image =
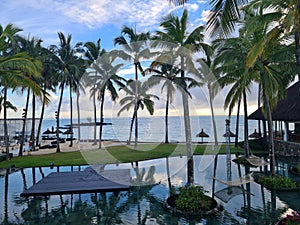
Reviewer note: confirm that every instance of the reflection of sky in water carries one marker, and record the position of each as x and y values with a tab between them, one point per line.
151	197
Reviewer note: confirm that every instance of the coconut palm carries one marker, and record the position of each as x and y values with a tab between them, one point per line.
208	78
13	67
69	75
47	82
93	52
34	49
135	50
138	98
104	80
231	60
168	74
175	36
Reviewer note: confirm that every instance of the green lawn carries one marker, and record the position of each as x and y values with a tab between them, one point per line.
111	155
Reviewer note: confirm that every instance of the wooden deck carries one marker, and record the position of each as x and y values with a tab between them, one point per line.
86	181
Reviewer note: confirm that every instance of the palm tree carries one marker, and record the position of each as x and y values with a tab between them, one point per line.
137	97
69	75
209	77
92	53
48	83
176	37
104	80
167	73
135	49
231	60
34	49
13	67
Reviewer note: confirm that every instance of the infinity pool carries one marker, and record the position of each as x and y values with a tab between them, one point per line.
144	203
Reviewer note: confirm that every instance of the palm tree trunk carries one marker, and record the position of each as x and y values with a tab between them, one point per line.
131	127
101	117
297	38
57	119
166	120
5	123
71	117
246	143
32	136
78	114
188	136
135	107
258	104
41	119
95	118
271	135
24	124
236	142
212	115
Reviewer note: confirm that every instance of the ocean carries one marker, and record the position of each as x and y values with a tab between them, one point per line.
152	129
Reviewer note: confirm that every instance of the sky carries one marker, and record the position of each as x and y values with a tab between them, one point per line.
89	20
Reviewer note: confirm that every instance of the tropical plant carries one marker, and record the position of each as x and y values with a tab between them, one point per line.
34	49
93	52
138	98
104	80
168	74
175	36
135	50
13	67
233	71
70	66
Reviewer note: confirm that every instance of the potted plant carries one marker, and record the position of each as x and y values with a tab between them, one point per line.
191	200
277	182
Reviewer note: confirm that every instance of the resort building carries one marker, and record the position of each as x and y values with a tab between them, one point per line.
286	119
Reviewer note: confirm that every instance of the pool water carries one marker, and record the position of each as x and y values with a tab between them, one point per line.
144	203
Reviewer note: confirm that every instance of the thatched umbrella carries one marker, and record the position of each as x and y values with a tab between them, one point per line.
254	135
68	132
202	134
47	132
230	134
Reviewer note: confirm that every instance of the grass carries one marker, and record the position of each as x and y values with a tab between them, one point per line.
111	155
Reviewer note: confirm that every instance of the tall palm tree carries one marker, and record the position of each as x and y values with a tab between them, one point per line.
176	37
138	98
135	49
168	74
104	80
48	83
69	75
92	53
34	49
231	60
13	67
208	78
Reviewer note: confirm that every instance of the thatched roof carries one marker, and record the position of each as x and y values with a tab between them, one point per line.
285	110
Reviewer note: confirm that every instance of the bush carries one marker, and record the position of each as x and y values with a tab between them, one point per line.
192	199
276	182
256	144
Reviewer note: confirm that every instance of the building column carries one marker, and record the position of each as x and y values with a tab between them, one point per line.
286	131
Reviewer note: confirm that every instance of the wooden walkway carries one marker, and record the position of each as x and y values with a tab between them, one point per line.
86	181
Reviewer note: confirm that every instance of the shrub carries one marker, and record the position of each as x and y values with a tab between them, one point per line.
192	199
276	182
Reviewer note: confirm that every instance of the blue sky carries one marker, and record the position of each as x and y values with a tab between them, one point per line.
88	20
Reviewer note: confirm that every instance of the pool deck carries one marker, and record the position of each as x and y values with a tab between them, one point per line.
88	181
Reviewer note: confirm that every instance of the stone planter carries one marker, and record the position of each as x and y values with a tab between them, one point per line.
214	207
